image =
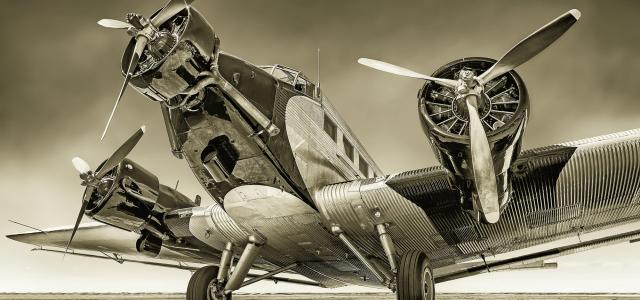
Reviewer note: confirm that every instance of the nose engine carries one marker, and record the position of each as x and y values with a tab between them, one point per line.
168	55
503	107
180	49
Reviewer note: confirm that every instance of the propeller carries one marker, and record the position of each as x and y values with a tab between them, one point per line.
143	30
482	164
115	24
91	179
141	43
393	69
471	87
531	46
80	165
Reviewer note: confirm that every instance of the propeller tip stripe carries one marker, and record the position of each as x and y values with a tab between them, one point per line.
576	13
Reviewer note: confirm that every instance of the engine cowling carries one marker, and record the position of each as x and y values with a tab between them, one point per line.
503	110
131	198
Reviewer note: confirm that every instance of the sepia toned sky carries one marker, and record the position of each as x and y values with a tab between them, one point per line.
60	76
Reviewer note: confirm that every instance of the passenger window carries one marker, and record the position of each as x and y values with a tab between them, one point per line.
348	148
363	166
330	128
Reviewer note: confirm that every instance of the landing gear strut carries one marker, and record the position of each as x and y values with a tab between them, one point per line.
217	283
415	277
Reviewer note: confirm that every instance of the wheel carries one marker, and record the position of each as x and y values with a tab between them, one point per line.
202	285
415	277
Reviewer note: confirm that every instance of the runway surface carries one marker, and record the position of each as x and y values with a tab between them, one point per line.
381	296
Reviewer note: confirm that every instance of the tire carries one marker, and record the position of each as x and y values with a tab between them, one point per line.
415	277
198	288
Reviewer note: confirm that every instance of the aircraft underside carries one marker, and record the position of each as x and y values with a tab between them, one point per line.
295	192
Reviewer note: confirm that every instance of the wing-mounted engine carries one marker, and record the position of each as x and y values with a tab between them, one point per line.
131	198
502	110
123	194
474	112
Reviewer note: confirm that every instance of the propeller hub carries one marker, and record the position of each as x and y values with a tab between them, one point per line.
459	106
468	78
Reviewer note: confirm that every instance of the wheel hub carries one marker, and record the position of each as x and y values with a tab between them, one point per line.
215	291
427	287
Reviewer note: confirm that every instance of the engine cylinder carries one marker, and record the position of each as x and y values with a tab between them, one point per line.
503	110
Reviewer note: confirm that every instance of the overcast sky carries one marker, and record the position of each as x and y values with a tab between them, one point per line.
60	75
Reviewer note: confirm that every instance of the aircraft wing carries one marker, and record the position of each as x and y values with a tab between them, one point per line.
108	242
559	191
98	237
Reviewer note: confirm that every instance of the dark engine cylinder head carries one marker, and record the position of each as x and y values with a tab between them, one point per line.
131	198
503	110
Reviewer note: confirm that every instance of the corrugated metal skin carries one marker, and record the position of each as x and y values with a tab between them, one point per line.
352	206
213	226
279	144
559	191
316	154
325	260
346	130
179	226
603	178
302	239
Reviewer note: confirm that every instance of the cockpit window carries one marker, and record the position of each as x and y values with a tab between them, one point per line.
295	78
301	84
284	75
267	69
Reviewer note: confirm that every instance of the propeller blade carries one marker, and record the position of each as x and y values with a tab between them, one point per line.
115	24
121	153
393	69
169	10
531	46
482	163
141	42
85	202
81	165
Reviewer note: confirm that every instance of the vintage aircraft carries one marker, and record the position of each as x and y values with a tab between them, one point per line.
296	193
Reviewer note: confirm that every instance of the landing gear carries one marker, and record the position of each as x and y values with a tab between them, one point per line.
415	277
217	283
202	285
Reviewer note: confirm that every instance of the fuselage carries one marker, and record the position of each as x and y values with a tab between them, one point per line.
314	147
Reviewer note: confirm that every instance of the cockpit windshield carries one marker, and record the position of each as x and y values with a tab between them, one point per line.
294	78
